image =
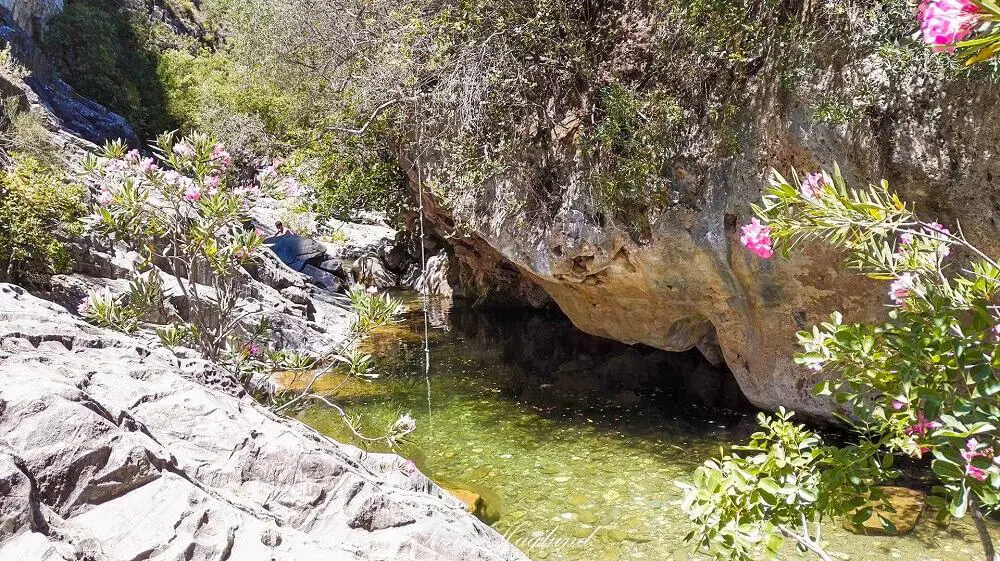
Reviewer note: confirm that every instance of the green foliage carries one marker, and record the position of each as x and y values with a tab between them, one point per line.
22	128
10	68
631	147
832	110
124	313
373	310
107	53
23	132
742	505
38	209
350	173
924	381
211	91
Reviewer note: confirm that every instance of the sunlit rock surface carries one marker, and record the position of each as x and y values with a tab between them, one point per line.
114	450
684	281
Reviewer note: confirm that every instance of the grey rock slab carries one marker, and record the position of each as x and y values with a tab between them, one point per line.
357	240
111	451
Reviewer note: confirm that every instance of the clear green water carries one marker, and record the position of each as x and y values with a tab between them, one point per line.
588	480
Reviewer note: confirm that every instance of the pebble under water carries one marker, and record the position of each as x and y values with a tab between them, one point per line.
569	463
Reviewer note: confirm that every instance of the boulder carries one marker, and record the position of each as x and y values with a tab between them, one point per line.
270	270
84	118
470	499
351	241
332	266
296	294
395	256
109	452
323	278
434	279
410	277
370	271
295	251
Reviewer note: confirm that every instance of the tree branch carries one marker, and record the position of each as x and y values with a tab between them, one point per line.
375	115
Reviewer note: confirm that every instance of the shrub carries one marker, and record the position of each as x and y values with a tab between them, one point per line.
211	91
188	219
924	382
780	485
38	209
631	148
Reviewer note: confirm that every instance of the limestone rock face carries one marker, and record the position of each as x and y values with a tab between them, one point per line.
357	240
685	281
113	450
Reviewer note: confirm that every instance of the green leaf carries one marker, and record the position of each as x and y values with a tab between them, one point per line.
936	501
959	503
862	515
946	469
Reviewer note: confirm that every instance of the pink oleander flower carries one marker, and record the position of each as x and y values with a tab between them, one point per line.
115	165
905	238
192	193
409	467
133	156
922	426
221	156
372	290
105	197
900	288
970	452
184	149
938	232
84	308
812	186
254	349
946	22
213	182
898	405
148	166
757	238
172	178
978	474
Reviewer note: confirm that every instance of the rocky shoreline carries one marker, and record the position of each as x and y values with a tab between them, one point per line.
115	449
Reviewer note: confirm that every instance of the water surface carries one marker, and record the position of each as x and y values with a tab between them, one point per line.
570	461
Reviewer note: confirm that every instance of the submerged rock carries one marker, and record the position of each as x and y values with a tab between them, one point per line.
908	504
115	450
